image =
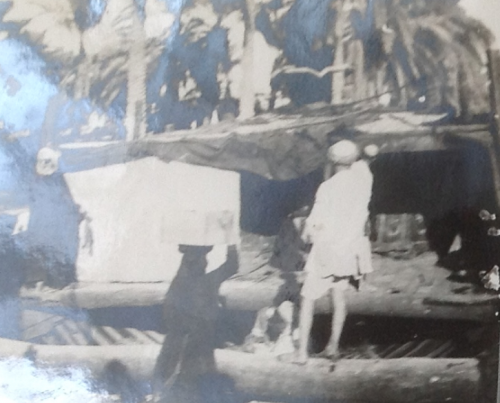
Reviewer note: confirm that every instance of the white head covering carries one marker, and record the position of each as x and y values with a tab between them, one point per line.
371	150
46	153
344	152
47	161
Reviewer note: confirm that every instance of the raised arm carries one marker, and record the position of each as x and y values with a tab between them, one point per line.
227	269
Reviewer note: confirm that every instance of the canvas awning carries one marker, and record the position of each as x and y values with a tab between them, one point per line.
278	147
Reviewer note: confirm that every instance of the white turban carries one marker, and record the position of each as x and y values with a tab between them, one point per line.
371	150
47	161
344	152
48	153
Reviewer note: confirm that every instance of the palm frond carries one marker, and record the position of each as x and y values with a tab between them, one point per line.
37	26
431	72
49	24
24	10
406	29
158	20
63	42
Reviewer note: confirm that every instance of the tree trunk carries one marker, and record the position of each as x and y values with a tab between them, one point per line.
380	13
135	114
402	86
82	85
338	58
360	81
247	100
380	80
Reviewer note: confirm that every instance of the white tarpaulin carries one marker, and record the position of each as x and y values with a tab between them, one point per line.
136	214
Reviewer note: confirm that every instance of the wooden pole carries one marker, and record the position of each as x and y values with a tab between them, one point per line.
247	100
494	71
404	380
338	76
360	80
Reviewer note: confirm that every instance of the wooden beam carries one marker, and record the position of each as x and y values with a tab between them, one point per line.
251	296
403	380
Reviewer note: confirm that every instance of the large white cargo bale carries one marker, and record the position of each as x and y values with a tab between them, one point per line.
139	212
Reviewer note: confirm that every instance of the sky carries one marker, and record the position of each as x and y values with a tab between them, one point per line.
486	11
25	91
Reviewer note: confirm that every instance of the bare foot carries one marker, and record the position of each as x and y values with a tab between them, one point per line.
332	355
329	353
293	358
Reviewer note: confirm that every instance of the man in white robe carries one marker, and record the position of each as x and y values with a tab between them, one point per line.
341	248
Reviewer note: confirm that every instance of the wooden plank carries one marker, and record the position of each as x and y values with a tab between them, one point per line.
404	380
420	349
157	337
141	337
114	335
66	335
80	332
403	349
442	350
36	324
100	338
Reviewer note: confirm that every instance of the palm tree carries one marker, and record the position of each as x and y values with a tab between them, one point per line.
247	101
237	75
412	48
116	50
432	49
338	57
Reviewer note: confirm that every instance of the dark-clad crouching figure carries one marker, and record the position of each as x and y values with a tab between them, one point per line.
185	370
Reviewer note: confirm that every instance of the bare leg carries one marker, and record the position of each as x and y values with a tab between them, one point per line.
305	325
338	320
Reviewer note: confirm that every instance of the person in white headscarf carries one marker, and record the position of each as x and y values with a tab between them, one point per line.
47	161
340	249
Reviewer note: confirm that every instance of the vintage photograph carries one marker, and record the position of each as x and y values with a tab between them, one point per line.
249	201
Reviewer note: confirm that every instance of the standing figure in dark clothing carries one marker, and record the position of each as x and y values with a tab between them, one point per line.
51	242
186	362
12	275
12	202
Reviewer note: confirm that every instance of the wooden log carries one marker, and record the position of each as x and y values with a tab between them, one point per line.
398	380
404	380
252	296
102	295
243	296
